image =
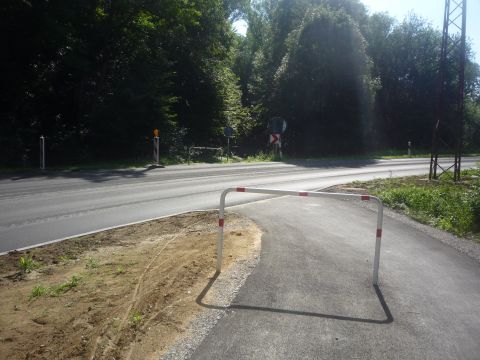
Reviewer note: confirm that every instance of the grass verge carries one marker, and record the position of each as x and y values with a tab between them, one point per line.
453	207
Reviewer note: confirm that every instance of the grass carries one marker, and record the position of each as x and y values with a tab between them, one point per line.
27	264
209	158
136	319
120	270
62	288
55	290
92	263
443	204
261	157
38	291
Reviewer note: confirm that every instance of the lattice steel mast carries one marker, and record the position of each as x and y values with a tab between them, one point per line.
455	19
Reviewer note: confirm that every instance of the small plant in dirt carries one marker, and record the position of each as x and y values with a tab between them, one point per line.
64	287
38	291
27	264
92	263
120	270
64	259
136	319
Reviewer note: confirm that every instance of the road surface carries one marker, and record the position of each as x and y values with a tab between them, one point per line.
311	295
58	205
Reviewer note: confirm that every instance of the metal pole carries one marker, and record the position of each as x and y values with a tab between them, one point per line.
228	148
42	152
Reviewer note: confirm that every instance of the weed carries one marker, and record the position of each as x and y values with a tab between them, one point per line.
443	204
261	156
92	263
136	319
64	259
120	270
64	287
27	264
37	291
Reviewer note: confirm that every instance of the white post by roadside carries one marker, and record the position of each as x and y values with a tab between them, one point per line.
156	150
409	148
156	147
42	152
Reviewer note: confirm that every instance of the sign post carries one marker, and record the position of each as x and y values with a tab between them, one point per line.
228	131
42	152
156	147
276	127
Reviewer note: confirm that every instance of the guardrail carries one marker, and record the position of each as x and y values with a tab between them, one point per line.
378	238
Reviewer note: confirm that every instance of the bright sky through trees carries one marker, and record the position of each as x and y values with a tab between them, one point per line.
432	10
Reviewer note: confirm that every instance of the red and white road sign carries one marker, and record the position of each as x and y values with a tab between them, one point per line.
275	139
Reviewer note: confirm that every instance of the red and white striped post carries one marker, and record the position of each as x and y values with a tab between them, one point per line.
221	218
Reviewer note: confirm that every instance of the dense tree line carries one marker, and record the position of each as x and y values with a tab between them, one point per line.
97	76
348	81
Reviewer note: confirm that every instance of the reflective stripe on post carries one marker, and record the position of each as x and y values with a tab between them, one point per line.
378	239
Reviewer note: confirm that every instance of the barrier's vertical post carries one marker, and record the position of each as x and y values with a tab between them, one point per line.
221	224
42	152
378	241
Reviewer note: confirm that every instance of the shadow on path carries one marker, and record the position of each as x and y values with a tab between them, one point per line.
388	314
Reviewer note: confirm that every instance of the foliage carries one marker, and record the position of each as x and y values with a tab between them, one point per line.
62	288
261	157
92	263
55	290
324	86
37	291
444	204
27	264
136	319
97	76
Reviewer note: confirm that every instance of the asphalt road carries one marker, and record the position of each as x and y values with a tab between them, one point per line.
57	205
311	295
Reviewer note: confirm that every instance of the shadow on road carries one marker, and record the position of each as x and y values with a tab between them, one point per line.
388	314
96	176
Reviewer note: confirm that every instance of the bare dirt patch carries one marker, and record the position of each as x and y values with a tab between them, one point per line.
127	293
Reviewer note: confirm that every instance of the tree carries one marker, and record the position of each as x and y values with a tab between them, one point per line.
324	86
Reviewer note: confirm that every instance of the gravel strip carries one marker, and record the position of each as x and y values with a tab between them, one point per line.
220	296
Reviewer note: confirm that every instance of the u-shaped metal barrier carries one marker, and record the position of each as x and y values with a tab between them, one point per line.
378	239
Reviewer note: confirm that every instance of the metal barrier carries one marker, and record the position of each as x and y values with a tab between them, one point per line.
221	218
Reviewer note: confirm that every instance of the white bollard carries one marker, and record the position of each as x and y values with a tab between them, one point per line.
42	152
156	150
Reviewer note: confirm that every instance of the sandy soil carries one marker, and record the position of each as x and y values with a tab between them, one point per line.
127	293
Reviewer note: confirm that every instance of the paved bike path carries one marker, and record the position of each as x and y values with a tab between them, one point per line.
311	295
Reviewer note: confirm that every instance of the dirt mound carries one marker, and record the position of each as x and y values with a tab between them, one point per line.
126	293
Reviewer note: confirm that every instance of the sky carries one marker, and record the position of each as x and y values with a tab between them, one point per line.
431	10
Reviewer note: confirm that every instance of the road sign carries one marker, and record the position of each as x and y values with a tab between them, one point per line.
275	139
277	125
155	133
228	131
